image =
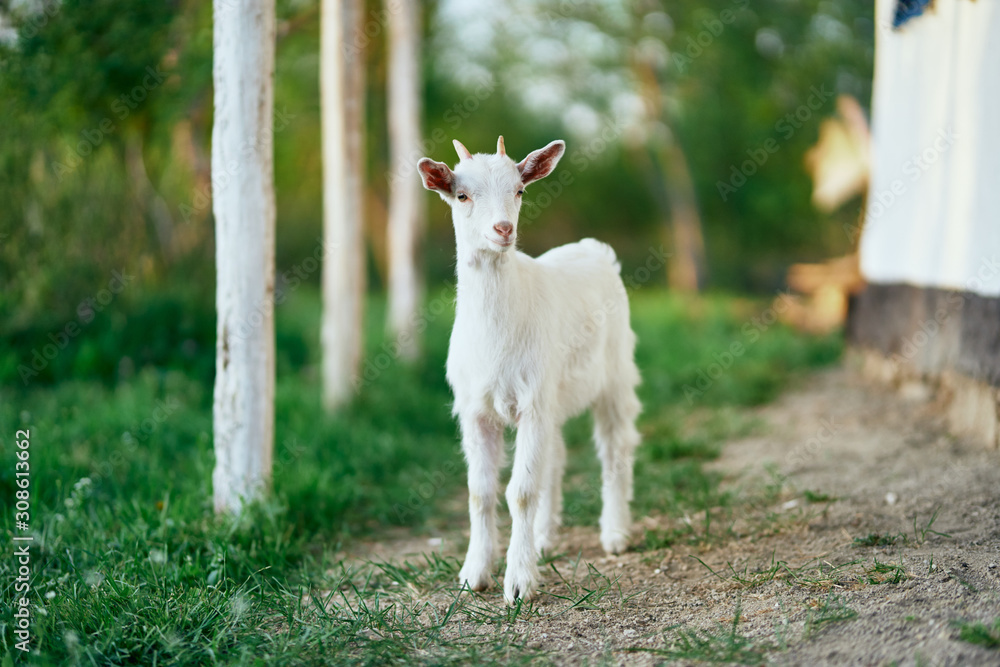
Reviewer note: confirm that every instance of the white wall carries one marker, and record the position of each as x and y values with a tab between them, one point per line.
933	217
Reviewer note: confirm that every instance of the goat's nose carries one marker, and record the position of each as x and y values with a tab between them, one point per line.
504	229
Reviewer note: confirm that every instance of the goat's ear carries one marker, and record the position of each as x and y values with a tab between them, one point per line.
436	176
540	163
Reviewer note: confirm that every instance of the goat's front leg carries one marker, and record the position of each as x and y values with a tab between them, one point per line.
534	436
482	442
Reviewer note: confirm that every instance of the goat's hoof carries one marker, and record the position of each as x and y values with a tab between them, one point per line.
518	586
517	595
479	584
614	543
476	578
474	585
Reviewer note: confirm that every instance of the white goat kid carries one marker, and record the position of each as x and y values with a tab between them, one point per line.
535	342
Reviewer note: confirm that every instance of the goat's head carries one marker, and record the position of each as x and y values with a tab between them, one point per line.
484	192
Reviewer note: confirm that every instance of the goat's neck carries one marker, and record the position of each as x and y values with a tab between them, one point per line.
490	288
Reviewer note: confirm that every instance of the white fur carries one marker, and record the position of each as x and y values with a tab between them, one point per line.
535	342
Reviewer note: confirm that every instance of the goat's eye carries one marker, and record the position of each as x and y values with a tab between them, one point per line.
520	192
462	196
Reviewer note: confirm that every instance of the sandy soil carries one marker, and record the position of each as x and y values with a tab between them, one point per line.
885	458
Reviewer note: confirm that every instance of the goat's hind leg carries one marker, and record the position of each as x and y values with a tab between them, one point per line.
548	518
482	442
616	438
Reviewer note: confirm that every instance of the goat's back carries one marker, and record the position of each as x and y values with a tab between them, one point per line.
586	254
594	340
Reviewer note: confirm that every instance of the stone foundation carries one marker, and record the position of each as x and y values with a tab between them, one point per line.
934	344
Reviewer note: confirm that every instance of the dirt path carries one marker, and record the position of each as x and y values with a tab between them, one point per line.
787	558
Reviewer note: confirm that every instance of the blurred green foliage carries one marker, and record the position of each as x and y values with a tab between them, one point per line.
734	99
105	156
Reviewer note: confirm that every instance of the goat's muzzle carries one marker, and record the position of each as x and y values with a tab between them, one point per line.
504	229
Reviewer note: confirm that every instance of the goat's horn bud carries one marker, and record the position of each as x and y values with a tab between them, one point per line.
463	152
500	149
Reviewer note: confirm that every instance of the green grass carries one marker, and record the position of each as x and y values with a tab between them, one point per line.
131	566
724	645
979	633
832	609
879	540
818	497
727	645
884	573
587	591
814	574
920	533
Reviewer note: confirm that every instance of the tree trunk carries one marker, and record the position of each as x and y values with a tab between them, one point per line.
147	199
243	204
686	271
405	201
406	219
342	105
673	190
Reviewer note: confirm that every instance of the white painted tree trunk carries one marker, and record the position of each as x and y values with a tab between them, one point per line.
342	106
406	212
243	204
